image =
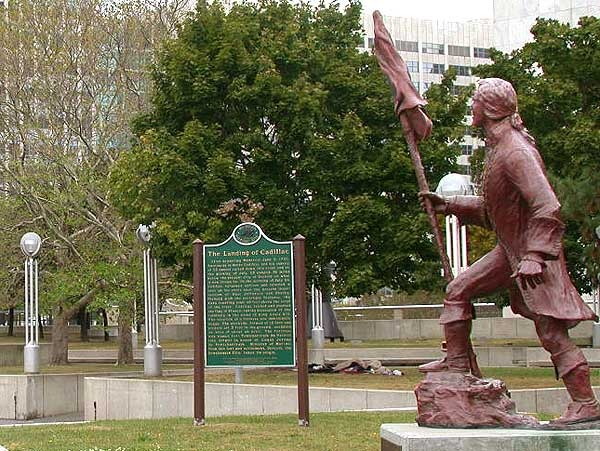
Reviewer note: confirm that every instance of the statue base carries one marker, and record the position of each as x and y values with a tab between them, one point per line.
457	400
410	437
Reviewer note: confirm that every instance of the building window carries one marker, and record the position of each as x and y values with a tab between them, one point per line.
461	70
417	85
426	85
433	68
436	49
459	50
466	149
479	52
412	66
371	42
407	46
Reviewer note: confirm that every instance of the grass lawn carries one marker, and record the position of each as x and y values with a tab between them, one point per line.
330	431
327	432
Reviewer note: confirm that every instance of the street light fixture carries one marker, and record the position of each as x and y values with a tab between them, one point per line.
456	235
152	350
31	243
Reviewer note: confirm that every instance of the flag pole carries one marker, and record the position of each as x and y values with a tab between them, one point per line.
416	126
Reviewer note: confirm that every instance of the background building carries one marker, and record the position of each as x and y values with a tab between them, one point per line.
513	18
431	47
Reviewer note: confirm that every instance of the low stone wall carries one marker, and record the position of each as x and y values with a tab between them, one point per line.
113	399
176	332
110	398
411	329
12	354
24	397
423	329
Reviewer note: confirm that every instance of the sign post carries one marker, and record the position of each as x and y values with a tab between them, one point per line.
250	308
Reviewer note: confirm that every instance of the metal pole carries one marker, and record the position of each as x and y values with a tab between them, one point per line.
26	300
463	245
239	374
152	350
455	246
312	305
146	306
155	306
320	308
31	362
198	274
301	348
36	301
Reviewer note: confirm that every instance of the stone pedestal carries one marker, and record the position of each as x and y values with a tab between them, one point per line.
446	399
410	437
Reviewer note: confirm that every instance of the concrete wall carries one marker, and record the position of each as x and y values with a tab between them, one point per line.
409	329
134	398
12	354
24	397
422	329
176	332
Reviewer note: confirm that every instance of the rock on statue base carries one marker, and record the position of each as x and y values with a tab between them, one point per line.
456	400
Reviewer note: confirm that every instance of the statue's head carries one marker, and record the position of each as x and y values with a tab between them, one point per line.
494	99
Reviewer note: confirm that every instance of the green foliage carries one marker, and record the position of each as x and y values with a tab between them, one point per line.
557	79
273	103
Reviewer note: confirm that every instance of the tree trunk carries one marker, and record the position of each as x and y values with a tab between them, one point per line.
105	323
83	321
39	318
60	339
11	322
60	326
125	347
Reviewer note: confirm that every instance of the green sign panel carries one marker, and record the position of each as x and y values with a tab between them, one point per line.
249	301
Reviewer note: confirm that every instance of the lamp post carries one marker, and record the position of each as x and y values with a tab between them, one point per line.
317	331
456	234
152	350
31	244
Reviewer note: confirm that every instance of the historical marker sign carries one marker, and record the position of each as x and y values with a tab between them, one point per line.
249	301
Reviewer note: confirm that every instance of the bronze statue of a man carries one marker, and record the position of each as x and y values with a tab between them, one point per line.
518	203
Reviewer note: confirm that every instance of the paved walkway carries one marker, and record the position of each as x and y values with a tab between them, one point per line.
69	418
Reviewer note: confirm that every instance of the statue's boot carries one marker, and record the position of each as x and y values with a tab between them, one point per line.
584	405
457	355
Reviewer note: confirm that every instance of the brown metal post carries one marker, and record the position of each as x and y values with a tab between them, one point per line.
301	347
198	277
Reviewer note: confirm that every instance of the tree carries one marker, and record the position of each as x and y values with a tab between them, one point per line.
269	110
73	75
559	100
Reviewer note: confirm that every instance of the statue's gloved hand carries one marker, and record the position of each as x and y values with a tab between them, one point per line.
439	203
530	271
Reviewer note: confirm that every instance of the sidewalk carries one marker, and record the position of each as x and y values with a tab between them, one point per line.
75	417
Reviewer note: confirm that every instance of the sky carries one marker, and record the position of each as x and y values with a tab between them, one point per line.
451	10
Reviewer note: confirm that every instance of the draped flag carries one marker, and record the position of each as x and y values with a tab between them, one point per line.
408	101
